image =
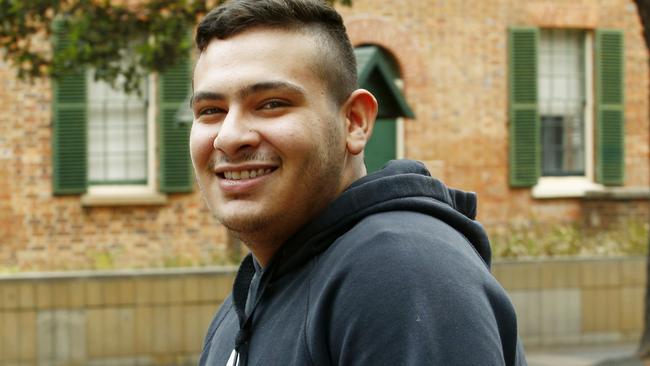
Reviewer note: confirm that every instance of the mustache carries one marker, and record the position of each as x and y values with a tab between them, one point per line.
243	157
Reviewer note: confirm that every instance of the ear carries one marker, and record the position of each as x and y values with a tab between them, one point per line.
360	113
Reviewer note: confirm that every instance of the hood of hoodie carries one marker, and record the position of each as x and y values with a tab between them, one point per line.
401	185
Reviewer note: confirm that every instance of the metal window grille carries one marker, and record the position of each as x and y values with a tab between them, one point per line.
562	101
117	134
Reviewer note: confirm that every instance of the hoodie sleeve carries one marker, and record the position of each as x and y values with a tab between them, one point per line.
406	289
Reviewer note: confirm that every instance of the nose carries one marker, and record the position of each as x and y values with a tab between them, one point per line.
235	134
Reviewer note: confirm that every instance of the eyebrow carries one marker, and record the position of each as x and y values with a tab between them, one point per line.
205	95
271	85
250	90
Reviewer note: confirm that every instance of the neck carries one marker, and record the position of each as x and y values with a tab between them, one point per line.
262	247
263	254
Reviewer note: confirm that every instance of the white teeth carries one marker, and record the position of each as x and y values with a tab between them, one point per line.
246	174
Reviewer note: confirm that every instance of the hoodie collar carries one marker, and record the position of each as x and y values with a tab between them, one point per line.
400	185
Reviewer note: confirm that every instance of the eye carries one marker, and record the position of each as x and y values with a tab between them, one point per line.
273	104
209	111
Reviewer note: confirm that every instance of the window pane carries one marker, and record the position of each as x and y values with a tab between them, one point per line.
552	142
562	101
117	134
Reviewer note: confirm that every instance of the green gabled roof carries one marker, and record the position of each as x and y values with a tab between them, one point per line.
377	73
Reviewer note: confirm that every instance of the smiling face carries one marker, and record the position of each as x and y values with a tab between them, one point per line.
268	142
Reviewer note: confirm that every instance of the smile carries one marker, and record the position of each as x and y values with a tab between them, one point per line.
245	174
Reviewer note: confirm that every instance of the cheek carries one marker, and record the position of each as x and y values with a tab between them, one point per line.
297	134
201	144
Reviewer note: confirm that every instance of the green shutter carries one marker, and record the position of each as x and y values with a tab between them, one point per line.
69	126
524	128
175	163
382	146
610	126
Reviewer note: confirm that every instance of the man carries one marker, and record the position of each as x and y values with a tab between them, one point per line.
346	268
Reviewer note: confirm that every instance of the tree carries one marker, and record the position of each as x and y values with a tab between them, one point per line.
122	40
644	346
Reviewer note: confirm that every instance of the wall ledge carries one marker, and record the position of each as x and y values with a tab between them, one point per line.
567	259
619	193
116	273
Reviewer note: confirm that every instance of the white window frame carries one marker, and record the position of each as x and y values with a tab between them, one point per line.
134	194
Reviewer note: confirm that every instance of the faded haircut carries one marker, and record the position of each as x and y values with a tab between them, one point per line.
335	63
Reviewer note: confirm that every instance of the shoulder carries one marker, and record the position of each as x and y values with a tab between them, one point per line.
396	256
418	279
407	260
398	240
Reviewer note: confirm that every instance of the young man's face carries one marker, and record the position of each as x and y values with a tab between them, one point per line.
267	143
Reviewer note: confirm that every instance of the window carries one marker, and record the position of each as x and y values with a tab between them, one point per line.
116	148
562	101
565	110
117	134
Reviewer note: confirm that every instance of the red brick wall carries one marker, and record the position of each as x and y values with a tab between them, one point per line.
453	59
454	66
40	231
602	213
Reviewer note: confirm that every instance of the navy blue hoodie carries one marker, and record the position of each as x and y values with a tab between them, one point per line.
394	272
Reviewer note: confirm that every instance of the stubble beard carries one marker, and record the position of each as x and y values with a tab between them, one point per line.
245	227
238	225
327	166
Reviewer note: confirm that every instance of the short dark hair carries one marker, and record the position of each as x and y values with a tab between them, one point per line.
337	66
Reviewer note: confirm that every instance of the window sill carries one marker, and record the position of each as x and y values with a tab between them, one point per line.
564	187
122	196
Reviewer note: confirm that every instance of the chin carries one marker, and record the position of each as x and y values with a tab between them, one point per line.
244	223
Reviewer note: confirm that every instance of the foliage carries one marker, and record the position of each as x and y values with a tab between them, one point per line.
122	40
5	270
544	240
103	260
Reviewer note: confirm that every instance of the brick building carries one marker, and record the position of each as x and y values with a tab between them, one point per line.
539	106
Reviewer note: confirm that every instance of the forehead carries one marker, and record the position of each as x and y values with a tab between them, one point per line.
257	55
